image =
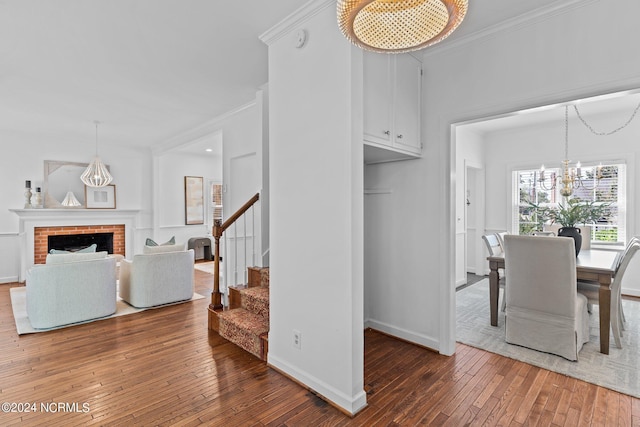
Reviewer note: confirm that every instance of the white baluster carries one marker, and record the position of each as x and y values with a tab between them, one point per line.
244	253
235	249
253	236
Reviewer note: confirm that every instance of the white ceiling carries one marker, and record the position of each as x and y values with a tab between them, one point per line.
621	105
150	70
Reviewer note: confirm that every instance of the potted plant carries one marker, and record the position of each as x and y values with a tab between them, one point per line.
571	214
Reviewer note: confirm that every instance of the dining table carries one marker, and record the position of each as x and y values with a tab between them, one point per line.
593	265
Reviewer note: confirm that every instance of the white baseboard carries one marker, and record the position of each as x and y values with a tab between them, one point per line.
404	334
9	279
631	292
350	404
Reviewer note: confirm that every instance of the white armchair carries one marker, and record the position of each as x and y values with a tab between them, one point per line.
157	278
71	288
544	311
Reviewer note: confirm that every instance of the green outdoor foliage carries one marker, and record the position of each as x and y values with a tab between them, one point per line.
610	235
574	212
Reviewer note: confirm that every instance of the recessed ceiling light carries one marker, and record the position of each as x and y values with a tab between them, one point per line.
208	150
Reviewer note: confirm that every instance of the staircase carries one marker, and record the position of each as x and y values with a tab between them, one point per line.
246	321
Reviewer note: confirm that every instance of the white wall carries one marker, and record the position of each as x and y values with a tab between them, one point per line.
23	159
174	166
133	171
552	59
316	209
242	155
544	144
470	251
242	135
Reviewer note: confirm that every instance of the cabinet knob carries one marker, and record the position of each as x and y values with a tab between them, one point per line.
399	136
386	132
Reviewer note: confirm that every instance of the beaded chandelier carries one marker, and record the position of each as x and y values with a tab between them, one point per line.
394	26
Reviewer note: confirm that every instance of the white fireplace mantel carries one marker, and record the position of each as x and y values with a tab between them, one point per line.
29	219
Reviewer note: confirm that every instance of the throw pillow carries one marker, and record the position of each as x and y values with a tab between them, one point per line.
91	248
171	241
162	248
74	256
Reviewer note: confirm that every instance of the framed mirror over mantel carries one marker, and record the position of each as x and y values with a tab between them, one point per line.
60	178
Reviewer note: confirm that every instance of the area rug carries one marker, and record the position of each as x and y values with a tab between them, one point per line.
206	267
619	370
19	306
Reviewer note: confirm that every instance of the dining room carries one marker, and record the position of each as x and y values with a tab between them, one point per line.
507	165
499	158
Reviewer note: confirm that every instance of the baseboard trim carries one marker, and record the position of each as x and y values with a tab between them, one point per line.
348	405
406	335
631	292
10	279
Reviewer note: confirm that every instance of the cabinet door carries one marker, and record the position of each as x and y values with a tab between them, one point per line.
406	115
377	98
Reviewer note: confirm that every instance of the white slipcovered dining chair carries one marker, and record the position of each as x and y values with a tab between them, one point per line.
495	248
543	233
500	236
544	310
592	290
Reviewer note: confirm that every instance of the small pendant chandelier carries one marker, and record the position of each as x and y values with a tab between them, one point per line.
96	174
571	177
394	26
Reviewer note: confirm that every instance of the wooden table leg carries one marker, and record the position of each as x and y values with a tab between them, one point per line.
604	305
494	291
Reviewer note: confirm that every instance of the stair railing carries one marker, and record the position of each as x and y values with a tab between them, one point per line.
219	228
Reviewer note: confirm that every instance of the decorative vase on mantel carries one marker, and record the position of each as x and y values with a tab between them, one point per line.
574	233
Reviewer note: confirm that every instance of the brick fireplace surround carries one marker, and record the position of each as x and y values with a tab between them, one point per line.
122	222
41	234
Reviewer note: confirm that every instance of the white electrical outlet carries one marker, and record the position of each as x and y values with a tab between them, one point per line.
297	339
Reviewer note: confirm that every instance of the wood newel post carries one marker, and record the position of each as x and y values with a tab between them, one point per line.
216	296
218	229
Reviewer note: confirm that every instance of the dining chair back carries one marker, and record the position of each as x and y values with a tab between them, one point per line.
501	238
493	244
543	233
544	311
592	290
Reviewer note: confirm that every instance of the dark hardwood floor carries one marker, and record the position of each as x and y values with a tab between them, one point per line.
162	367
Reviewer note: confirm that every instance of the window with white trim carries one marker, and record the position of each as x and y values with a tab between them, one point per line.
609	230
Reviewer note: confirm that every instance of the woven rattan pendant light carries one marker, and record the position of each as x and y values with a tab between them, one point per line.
395	26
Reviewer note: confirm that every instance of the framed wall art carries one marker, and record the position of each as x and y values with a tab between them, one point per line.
193	200
100	197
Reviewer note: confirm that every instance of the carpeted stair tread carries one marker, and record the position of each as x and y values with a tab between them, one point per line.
256	300
244	328
264	276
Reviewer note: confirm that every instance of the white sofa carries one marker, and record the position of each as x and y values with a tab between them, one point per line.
161	275
71	288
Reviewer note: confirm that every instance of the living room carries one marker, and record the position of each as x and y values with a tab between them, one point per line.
500	71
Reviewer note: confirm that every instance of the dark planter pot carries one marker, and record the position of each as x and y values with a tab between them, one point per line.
574	233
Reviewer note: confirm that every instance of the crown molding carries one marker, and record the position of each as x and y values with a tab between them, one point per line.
524	20
308	10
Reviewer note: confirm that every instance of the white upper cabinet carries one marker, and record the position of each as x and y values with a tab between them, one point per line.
392	88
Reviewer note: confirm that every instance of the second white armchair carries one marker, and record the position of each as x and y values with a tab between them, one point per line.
152	279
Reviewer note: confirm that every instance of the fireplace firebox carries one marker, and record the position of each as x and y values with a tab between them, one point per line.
75	242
